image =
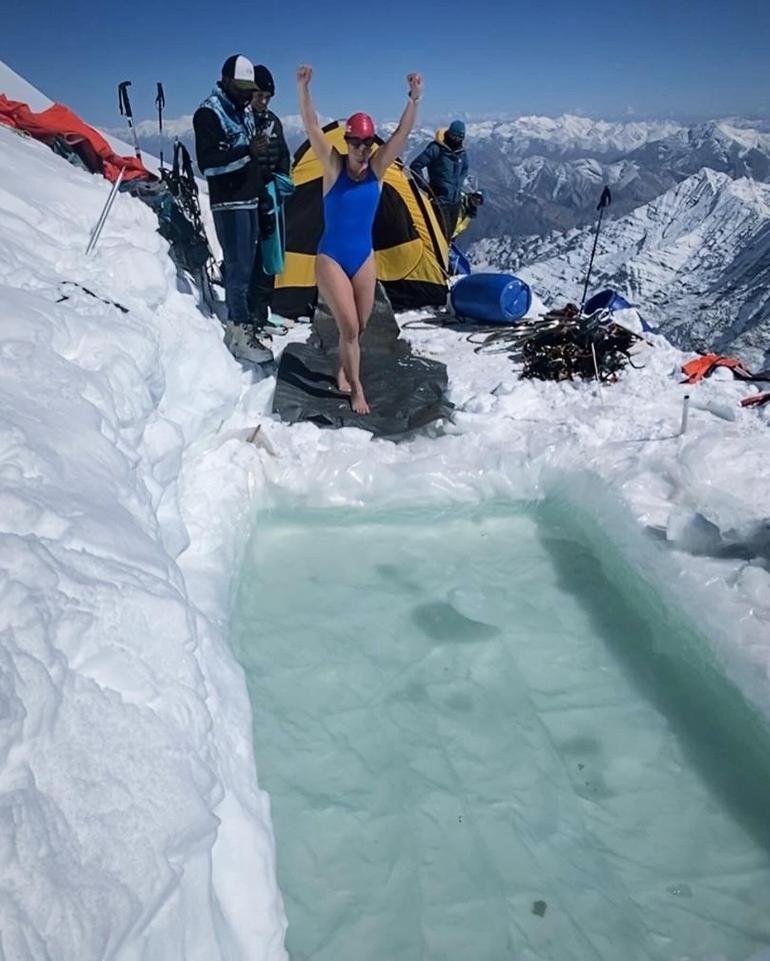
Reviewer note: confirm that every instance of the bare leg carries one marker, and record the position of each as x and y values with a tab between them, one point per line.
337	290
364	283
343	384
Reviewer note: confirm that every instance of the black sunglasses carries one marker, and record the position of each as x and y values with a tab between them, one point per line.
359	142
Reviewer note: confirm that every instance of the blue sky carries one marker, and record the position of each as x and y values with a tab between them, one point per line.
493	57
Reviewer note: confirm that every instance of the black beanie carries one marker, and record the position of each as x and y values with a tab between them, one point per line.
264	79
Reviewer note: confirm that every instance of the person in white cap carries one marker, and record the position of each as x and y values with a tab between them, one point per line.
227	151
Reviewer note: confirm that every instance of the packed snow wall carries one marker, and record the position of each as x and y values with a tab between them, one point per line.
133	824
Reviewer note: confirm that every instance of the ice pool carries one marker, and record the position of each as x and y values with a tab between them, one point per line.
482	743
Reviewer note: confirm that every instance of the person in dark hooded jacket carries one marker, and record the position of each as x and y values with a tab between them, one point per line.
447	165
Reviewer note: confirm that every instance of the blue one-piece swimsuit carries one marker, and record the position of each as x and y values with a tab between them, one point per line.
349	210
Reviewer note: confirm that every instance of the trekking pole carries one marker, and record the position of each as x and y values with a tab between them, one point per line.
160	103
685	412
604	201
105	213
124	105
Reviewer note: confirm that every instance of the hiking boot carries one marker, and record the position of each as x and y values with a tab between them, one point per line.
244	344
259	317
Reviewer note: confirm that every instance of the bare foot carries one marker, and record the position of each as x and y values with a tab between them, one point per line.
358	401
343	384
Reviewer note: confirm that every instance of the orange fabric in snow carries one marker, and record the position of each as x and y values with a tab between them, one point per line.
701	367
60	121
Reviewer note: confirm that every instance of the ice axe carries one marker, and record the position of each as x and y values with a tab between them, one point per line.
124	105
604	201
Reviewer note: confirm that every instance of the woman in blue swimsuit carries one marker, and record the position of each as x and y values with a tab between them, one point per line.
345	268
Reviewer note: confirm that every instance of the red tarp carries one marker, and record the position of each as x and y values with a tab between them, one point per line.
60	121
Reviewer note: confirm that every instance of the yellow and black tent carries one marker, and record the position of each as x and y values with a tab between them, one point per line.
410	248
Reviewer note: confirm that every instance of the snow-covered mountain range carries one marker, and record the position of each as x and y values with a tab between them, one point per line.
541	174
548	175
569	136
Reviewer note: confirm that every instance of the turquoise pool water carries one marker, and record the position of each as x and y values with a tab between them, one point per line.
483	741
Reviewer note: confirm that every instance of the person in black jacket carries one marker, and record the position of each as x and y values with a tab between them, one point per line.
272	156
228	150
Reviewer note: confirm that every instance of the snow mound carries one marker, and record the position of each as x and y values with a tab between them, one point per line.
132	822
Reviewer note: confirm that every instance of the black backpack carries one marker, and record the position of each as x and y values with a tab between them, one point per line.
175	201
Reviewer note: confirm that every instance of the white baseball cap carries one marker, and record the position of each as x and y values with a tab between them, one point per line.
241	70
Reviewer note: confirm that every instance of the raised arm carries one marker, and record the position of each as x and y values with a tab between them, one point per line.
397	140
319	143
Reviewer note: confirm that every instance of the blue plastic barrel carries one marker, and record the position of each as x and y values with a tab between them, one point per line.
491	298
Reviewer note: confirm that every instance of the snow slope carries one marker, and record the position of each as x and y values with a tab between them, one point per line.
133	824
17	88
134	827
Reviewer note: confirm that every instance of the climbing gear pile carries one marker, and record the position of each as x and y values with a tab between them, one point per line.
572	349
562	345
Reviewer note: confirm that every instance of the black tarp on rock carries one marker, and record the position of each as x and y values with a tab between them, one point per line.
405	392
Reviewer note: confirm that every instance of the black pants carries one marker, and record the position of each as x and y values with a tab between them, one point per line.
261	286
448	214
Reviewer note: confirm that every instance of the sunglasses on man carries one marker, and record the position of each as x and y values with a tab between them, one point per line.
358	142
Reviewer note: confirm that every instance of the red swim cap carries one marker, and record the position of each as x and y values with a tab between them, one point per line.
359	125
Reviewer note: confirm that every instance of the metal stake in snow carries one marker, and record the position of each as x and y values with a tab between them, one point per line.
604	201
124	105
160	103
596	371
685	411
105	213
